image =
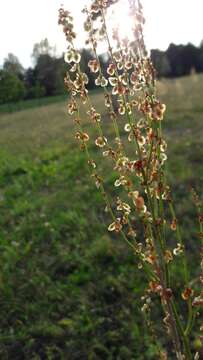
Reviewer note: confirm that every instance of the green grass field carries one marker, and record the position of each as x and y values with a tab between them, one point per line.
67	289
29	104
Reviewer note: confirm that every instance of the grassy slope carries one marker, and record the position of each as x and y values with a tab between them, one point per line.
31	103
68	290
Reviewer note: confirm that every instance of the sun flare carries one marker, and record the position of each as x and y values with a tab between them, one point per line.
120	19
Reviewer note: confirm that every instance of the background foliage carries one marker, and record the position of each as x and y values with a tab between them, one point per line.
45	78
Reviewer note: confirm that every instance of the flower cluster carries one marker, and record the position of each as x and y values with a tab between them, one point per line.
130	100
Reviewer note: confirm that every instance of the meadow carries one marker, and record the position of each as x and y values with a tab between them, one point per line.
68	288
31	103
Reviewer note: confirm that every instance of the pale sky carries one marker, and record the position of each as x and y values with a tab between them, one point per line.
25	22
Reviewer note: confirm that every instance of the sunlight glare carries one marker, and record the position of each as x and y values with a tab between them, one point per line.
120	19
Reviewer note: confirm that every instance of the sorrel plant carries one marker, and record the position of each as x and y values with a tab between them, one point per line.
143	191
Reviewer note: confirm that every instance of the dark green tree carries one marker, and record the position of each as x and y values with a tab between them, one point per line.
161	63
11	87
49	73
33	87
43	48
13	66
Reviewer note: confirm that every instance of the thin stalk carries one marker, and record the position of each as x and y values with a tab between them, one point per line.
181	332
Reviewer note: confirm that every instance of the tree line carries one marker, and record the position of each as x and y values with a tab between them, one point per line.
178	60
45	78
